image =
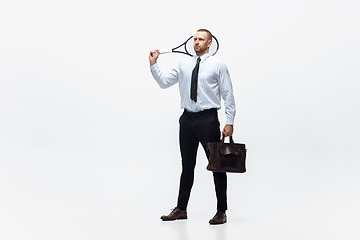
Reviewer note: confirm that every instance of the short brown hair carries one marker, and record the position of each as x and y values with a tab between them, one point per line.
209	35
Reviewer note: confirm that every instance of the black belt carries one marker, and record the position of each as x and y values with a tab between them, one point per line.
198	114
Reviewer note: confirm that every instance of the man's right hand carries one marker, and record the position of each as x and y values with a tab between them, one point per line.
154	55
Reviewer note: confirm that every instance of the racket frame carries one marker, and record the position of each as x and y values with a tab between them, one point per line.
173	50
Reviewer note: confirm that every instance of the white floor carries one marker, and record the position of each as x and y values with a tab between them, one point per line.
103	198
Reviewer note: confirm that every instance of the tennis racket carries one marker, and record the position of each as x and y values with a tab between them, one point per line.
188	47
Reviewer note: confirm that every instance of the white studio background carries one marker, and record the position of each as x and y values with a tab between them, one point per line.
88	141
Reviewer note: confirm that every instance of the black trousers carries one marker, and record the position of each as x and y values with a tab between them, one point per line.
195	128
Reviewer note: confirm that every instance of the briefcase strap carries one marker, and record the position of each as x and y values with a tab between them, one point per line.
223	139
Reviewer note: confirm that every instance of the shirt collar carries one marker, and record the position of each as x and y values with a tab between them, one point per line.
203	57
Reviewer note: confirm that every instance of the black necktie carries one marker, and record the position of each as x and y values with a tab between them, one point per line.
194	79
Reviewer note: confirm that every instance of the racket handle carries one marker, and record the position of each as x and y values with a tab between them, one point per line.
165	51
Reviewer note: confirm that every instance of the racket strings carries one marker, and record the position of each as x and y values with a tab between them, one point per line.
189	47
214	46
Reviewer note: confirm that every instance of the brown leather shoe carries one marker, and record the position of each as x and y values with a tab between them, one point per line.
219	218
175	214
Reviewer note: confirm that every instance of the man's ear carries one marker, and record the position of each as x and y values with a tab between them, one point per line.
209	43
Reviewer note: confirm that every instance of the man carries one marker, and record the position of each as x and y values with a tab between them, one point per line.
203	80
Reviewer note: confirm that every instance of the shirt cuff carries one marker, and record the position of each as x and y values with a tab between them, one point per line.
229	121
154	67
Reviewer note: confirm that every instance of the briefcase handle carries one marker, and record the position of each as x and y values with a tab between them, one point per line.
223	139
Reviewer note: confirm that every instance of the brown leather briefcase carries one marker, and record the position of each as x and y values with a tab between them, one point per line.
227	157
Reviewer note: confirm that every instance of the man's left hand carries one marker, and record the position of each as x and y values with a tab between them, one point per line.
228	130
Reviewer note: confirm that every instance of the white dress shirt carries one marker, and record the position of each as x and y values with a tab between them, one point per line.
213	83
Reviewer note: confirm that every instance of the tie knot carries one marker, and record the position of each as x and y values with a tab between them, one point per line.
198	60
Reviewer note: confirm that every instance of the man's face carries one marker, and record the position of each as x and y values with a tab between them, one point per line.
201	43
